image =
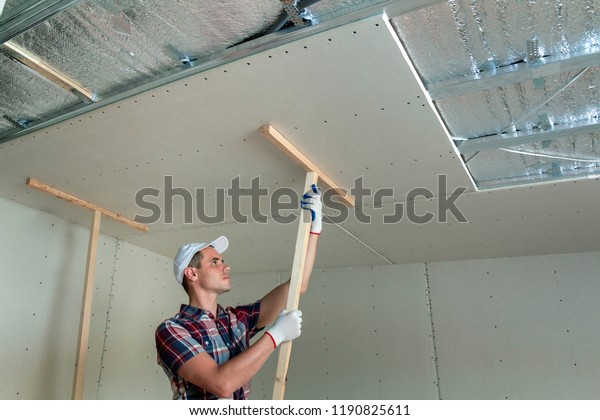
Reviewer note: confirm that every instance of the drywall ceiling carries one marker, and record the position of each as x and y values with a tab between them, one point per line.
349	99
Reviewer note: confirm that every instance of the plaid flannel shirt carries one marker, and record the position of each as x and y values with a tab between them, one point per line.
193	331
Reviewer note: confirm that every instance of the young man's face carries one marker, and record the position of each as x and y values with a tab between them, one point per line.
213	273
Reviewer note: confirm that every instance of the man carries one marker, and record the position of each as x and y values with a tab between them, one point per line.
205	349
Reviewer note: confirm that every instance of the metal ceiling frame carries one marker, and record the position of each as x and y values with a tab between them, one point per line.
285	16
36	11
509	136
515	73
529	136
30	14
359	11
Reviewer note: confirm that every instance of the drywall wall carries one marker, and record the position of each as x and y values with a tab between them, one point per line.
517	328
366	335
42	272
481	329
144	293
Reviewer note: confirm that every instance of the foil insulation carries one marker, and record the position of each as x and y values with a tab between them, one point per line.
324	8
467	38
106	45
520	106
458	37
564	157
25	96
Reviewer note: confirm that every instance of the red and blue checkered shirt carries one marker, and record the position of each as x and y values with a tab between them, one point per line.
193	331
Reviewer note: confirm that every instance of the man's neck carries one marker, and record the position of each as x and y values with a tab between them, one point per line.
206	302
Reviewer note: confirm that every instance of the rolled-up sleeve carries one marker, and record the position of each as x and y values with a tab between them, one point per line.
175	345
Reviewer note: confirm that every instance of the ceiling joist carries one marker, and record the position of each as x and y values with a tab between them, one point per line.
304	162
47	71
38	185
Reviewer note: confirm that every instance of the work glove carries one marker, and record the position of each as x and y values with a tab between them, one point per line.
312	201
287	327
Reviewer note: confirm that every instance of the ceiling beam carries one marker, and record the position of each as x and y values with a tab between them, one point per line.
38	185
515	73
41	67
304	162
527	136
30	14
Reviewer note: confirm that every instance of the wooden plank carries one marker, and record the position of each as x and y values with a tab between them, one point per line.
83	203
285	349
86	309
47	71
282	143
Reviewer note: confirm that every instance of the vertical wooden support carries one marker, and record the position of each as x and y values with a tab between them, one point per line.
88	288
86	309
285	350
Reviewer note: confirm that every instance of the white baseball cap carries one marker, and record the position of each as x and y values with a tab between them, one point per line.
187	252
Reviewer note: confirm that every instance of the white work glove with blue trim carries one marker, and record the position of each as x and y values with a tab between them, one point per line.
312	201
287	327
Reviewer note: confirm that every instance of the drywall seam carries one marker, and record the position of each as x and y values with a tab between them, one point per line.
110	296
377	343
435	359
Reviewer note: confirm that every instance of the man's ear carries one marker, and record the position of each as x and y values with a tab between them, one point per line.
189	273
